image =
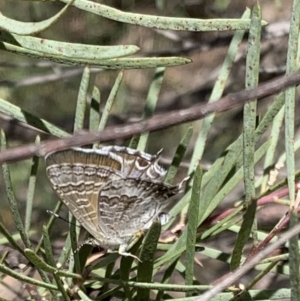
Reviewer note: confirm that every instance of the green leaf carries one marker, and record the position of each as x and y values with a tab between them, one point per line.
68	50
30	120
151	102
82	99
192	227
116	63
30	28
147	254
181	149
158	22
31	189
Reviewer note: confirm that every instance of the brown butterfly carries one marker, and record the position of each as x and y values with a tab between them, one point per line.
114	192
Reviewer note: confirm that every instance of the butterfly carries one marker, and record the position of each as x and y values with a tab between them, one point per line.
114	192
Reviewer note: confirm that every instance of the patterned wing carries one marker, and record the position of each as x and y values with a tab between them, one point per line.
136	164
127	206
77	175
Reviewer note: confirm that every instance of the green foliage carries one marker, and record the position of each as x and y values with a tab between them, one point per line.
165	268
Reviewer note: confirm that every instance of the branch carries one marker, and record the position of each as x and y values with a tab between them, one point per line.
158	122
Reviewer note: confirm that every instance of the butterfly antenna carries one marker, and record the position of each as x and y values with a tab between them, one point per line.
58	216
158	154
182	183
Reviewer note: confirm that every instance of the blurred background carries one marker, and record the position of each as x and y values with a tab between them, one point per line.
49	90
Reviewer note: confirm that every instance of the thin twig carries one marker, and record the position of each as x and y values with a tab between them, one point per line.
158	122
238	273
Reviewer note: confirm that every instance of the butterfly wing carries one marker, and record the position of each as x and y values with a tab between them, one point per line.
136	164
77	175
127	206
114	192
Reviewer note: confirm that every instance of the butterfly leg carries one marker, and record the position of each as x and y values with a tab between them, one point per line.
133	241
122	252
